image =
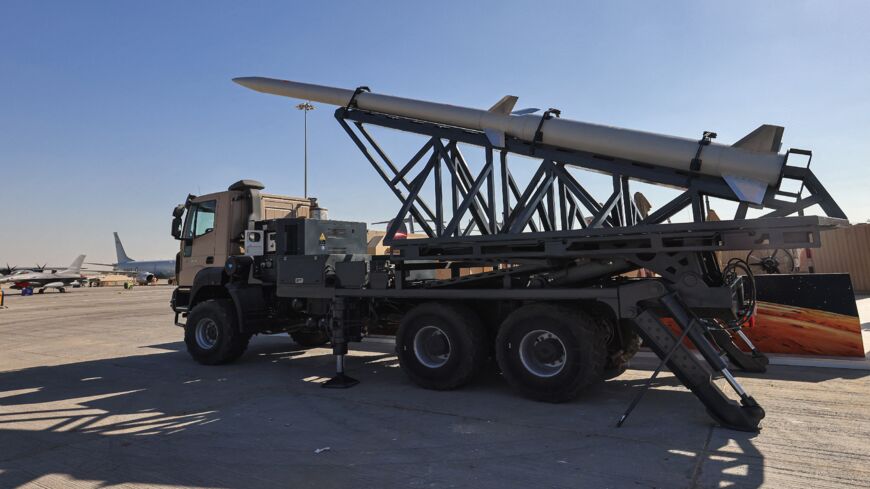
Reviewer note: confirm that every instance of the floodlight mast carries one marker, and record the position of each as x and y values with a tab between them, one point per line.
305	107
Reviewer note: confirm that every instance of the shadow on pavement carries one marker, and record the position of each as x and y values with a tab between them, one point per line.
160	418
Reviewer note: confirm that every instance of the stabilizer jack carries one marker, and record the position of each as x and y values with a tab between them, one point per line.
339	348
695	373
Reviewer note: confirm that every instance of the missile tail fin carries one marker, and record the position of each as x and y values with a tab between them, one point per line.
746	189
766	138
505	105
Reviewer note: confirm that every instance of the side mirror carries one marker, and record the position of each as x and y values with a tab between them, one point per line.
176	228
176	220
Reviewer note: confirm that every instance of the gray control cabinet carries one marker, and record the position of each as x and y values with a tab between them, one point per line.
315	255
319	237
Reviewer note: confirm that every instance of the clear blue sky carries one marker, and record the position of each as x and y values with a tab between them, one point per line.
111	112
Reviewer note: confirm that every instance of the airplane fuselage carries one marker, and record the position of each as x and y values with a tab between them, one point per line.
40	280
163	269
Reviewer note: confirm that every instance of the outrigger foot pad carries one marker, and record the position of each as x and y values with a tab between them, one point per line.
340	381
747	418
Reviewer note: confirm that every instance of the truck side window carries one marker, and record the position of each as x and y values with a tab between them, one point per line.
204	218
200	219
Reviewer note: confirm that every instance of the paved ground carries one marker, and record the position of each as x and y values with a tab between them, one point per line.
97	390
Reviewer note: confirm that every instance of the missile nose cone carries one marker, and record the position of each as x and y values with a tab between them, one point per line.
252	82
260	84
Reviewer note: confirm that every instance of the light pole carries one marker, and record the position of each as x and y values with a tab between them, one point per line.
306	106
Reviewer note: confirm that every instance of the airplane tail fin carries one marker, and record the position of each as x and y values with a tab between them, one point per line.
119	251
76	265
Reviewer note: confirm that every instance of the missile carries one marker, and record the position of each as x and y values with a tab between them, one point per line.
749	166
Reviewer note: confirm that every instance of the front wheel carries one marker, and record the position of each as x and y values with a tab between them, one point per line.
212	335
550	352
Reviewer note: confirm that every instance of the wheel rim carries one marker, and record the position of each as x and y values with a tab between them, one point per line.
432	346
206	333
542	353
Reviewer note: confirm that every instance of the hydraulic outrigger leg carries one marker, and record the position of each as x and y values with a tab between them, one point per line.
339	348
754	361
696	374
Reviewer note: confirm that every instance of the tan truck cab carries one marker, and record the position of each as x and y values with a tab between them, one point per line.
214	224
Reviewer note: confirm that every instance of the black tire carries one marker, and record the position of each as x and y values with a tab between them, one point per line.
550	352
226	342
620	359
310	339
441	346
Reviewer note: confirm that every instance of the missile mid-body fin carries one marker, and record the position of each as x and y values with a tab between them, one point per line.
505	105
502	107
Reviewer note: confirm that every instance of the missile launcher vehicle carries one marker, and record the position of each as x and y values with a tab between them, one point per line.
555	297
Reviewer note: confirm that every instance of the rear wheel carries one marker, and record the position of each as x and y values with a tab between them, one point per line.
441	346
550	352
212	335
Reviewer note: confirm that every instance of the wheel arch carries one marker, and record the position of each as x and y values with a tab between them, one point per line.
209	283
209	292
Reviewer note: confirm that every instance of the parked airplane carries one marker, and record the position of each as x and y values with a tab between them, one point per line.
144	271
10	269
56	279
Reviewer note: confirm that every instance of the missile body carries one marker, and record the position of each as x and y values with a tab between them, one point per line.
749	167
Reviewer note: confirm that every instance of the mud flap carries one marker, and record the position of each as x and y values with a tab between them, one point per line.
695	374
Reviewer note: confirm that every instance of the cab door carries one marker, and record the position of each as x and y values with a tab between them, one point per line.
198	239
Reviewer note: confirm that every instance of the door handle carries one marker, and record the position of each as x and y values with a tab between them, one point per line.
209	260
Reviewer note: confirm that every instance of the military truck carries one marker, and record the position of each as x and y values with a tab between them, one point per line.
556	319
253	263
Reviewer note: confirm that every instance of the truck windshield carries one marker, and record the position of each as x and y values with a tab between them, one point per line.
200	219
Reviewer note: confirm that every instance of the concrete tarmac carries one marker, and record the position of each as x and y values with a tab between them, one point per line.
97	390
